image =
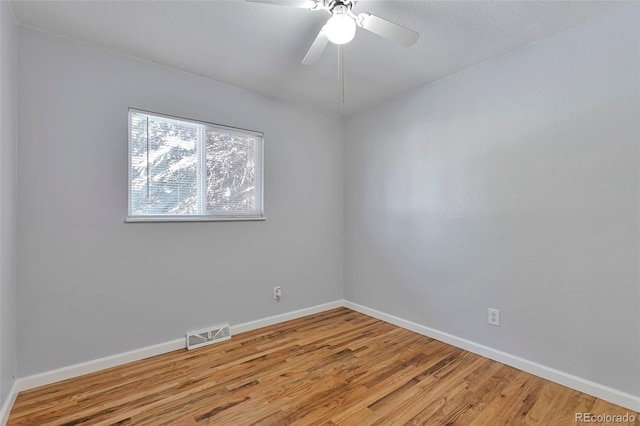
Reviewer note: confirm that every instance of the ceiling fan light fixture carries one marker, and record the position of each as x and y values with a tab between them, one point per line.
340	28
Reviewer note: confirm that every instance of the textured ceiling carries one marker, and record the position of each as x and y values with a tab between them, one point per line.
259	47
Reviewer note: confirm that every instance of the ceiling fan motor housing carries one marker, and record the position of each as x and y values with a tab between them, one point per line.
338	6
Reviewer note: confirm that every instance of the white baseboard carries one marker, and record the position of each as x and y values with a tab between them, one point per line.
614	396
8	404
264	322
64	373
81	369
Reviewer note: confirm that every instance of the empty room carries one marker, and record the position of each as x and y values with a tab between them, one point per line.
319	212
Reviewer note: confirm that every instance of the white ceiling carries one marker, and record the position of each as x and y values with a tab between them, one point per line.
260	47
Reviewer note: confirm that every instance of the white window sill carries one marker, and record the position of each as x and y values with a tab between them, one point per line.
139	219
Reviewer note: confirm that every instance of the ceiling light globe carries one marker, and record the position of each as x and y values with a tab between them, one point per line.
340	29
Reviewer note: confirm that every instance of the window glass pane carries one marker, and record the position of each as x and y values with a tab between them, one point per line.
164	166
192	169
231	171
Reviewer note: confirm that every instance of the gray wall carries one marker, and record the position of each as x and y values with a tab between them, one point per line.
8	140
513	185
91	285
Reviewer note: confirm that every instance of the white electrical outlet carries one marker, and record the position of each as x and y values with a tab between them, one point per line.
277	293
494	317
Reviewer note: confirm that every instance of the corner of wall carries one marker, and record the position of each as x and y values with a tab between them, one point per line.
8	216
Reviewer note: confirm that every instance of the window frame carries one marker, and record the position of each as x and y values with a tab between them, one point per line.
201	176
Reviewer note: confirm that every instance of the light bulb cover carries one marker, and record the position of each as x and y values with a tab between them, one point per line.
340	28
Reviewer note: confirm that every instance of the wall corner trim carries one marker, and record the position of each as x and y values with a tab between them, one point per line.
614	396
8	403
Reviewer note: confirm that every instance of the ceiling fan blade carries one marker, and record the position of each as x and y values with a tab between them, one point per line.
316	49
387	29
304	4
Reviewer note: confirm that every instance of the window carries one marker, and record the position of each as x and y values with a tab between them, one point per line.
190	170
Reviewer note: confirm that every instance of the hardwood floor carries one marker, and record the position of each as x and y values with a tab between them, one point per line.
337	367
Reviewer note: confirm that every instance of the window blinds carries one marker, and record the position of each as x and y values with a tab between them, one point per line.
181	167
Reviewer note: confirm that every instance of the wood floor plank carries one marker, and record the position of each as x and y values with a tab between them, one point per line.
508	403
337	367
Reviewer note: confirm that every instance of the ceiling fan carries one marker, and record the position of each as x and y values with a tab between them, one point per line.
341	27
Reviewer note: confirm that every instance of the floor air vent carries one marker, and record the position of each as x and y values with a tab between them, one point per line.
208	336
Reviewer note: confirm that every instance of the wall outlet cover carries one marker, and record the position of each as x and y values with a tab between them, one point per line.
494	317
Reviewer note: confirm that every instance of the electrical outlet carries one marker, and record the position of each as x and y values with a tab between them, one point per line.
494	317
277	293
